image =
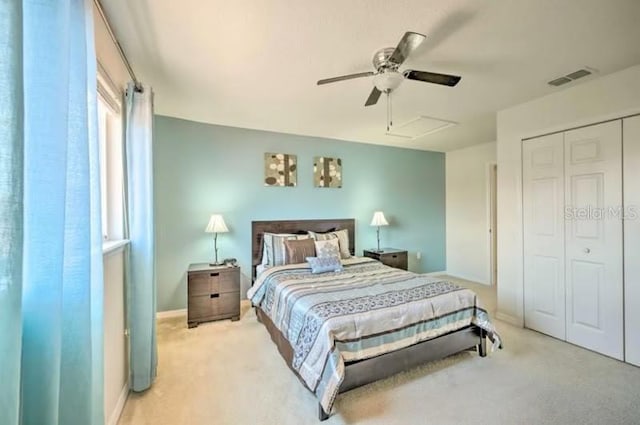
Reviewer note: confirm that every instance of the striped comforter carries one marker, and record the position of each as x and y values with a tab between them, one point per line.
364	311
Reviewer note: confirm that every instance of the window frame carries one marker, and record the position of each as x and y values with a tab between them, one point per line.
110	134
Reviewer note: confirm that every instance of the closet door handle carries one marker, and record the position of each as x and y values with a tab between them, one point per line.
587	250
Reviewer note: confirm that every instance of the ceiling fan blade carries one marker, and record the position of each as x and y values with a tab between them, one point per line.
432	77
409	42
373	97
345	77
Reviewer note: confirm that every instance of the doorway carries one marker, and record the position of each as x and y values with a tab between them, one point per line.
492	201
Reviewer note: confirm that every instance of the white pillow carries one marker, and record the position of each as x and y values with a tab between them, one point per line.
343	239
328	248
273	249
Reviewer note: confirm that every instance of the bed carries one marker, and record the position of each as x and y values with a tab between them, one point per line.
339	331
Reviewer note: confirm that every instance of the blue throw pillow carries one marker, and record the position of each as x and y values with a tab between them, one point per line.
325	264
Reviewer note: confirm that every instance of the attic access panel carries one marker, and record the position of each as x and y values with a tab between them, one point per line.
419	127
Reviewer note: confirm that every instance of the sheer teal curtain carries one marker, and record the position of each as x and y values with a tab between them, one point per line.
51	268
140	261
11	101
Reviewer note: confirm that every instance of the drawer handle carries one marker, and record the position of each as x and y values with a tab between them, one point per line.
215	295
214	274
394	256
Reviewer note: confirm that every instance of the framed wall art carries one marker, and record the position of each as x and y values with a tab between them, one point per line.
327	172
280	169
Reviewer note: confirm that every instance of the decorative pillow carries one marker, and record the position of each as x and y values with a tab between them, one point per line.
328	248
311	233
325	264
322	236
298	250
342	236
273	251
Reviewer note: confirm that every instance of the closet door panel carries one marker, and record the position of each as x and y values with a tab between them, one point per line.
631	164
543	200
593	243
586	297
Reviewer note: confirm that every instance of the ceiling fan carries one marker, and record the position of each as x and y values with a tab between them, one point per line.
387	77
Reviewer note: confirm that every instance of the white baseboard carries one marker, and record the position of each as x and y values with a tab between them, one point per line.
171	313
435	273
117	410
473	279
513	320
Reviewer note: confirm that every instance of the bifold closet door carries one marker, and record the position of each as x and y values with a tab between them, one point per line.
631	137
544	234
593	243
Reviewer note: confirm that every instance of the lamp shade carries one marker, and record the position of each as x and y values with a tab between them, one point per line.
216	224
388	80
378	219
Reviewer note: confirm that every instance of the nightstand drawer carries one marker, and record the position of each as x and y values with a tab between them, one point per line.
229	282
229	303
199	284
203	306
213	283
212	305
391	257
398	261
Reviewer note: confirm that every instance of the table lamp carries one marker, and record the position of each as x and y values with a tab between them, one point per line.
379	220
216	225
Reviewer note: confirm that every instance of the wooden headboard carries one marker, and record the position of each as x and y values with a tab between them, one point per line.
258	228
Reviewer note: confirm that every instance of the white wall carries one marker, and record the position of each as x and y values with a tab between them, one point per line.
107	53
116	367
608	97
631	168
467	176
116	362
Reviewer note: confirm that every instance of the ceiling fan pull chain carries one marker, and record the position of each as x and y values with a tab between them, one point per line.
388	112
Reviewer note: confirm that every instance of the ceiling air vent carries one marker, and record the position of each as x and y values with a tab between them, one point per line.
579	74
570	77
419	127
559	81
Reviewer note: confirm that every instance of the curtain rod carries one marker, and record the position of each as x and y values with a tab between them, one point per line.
132	74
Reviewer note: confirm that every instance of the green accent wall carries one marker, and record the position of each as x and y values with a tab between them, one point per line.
201	168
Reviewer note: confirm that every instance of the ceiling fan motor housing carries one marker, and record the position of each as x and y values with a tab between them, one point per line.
381	60
387	78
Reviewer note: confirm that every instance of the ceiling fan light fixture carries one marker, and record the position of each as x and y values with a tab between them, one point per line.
388	81
387	78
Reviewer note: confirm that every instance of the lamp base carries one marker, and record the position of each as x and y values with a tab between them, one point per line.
216	264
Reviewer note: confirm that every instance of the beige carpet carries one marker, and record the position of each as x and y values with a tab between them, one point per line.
231	373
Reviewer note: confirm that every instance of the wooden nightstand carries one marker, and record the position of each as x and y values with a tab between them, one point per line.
391	257
213	293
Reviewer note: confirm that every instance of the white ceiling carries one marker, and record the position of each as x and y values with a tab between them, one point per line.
255	63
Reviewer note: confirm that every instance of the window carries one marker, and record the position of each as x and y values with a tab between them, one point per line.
110	136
